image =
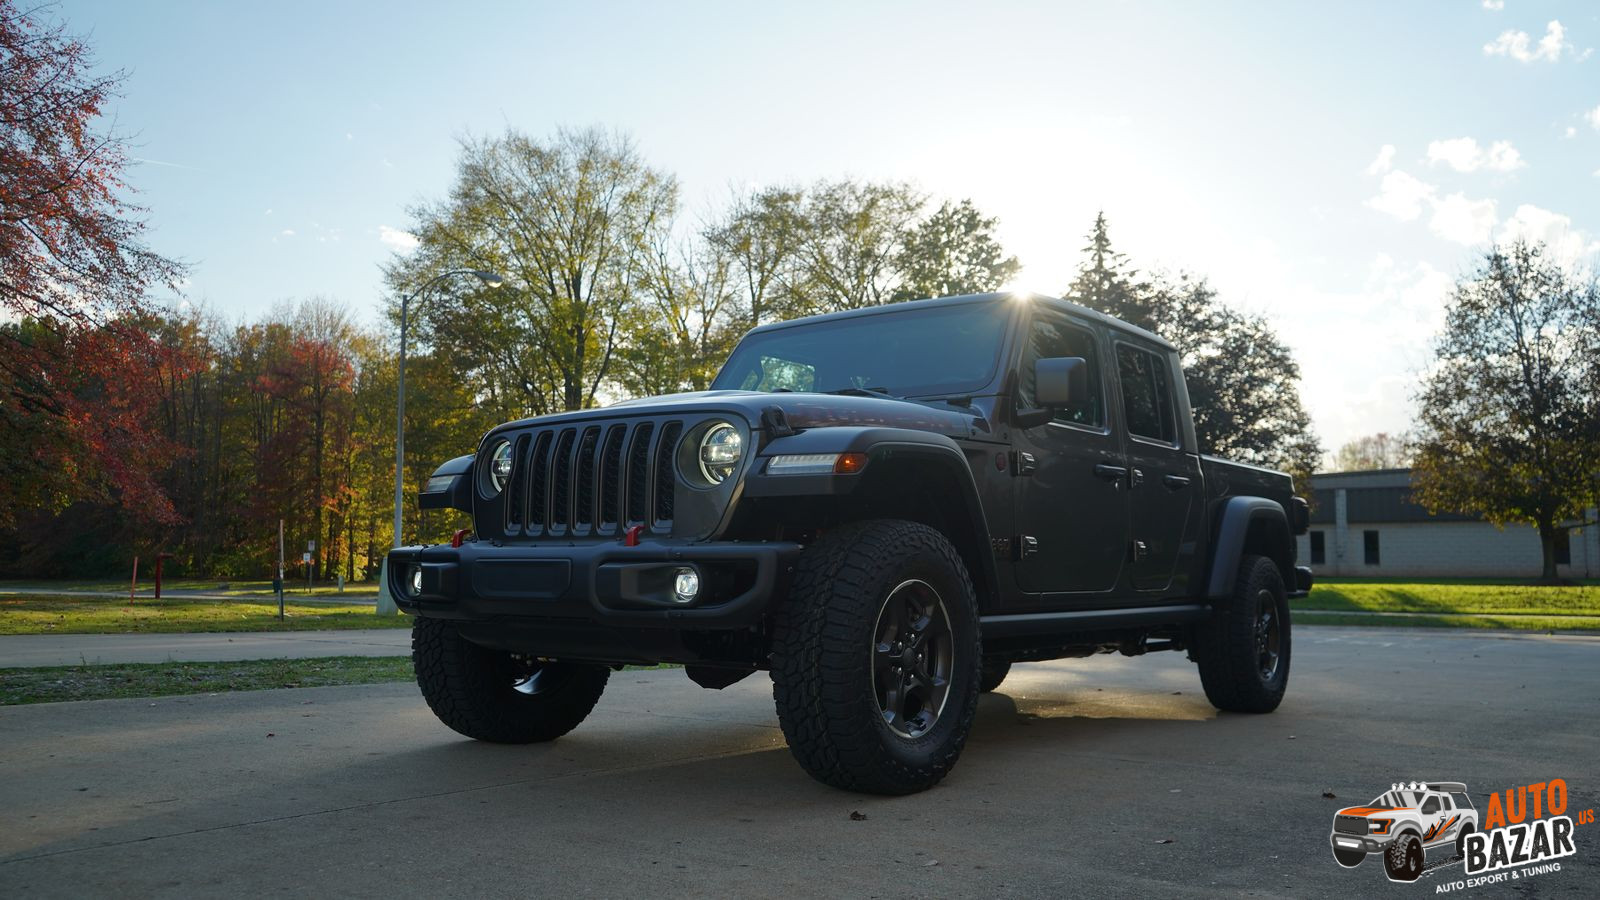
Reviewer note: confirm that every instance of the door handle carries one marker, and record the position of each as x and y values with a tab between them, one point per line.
1109	472
1176	482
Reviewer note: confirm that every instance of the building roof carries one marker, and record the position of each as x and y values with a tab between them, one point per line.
1377	496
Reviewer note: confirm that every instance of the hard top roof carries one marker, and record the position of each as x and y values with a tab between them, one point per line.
939	302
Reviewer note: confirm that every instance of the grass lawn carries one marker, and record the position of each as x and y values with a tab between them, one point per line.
1454	604
147	586
60	683
66	614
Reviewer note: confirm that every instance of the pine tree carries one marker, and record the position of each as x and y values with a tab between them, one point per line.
1108	283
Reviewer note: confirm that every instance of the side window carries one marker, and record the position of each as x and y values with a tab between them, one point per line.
1146	394
1431	806
1053	335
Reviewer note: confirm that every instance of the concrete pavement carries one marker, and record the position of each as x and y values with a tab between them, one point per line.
1077	776
23	650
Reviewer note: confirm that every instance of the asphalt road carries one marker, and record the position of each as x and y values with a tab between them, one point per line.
24	650
1077	775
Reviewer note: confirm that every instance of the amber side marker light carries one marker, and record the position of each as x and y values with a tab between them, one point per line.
850	463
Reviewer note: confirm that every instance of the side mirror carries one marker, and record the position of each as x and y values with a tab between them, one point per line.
1058	383
449	487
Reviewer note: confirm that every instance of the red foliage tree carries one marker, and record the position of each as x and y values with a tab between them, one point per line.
78	376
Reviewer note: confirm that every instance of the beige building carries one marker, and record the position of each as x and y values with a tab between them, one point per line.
1365	524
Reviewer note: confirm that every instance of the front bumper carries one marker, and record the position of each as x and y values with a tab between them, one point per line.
602	583
1360	842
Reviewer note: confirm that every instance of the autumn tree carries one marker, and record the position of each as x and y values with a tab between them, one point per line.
1369	452
74	391
1507	413
1243	379
569	222
951	252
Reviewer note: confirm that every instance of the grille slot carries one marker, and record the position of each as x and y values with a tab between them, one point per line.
611	476
561	482
666	472
583	479
594	480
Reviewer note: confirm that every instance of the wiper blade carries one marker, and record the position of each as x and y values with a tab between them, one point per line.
863	392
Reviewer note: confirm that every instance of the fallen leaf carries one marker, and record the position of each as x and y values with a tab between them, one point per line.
1330	795
857	815
931	862
270	734
1166	841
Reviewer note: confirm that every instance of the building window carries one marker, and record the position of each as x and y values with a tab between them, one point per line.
1563	547
1369	547
1319	549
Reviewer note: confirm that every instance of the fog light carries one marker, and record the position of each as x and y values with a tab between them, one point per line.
686	586
416	580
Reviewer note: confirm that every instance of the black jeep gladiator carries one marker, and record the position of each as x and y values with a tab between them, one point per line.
885	509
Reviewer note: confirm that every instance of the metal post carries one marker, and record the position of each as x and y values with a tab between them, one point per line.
280	570
134	585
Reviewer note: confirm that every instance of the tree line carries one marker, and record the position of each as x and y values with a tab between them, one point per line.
128	426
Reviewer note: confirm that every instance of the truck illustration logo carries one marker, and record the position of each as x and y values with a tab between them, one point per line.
1406	824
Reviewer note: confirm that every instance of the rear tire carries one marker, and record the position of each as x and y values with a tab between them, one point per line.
992	674
489	695
1243	651
875	658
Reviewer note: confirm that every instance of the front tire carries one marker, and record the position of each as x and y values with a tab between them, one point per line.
875	658
1244	650
1403	860
489	695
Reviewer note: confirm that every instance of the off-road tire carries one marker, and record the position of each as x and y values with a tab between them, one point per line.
472	688
1349	858
1226	649
1403	860
823	657
992	674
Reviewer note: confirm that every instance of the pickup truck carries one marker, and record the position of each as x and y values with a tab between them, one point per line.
884	509
1403	824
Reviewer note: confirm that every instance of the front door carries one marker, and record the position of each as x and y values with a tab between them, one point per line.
1163	476
1072	512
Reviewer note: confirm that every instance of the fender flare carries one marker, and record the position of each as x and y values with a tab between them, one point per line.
883	447
1234	522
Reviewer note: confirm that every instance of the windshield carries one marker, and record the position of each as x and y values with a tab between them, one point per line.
945	351
1399	799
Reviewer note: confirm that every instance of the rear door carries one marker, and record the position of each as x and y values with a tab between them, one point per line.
1163	475
1072	513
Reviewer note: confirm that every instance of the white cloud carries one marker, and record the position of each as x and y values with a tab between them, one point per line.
1494	5
1402	196
1519	45
1569	246
1455	218
1383	162
400	241
1592	117
287	232
1571	132
1464	155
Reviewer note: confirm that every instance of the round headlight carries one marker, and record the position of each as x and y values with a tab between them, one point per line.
499	468
720	450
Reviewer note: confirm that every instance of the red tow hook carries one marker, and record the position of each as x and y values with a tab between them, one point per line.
630	538
458	537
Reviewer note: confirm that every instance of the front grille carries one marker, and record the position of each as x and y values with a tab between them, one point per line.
1350	824
593	480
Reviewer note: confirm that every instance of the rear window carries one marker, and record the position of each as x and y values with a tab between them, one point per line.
1146	395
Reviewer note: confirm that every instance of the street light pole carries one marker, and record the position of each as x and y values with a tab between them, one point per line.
493	280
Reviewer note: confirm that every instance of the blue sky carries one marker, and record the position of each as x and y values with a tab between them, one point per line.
1243	141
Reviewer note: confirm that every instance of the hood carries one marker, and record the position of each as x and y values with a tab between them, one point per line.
803	410
1364	811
